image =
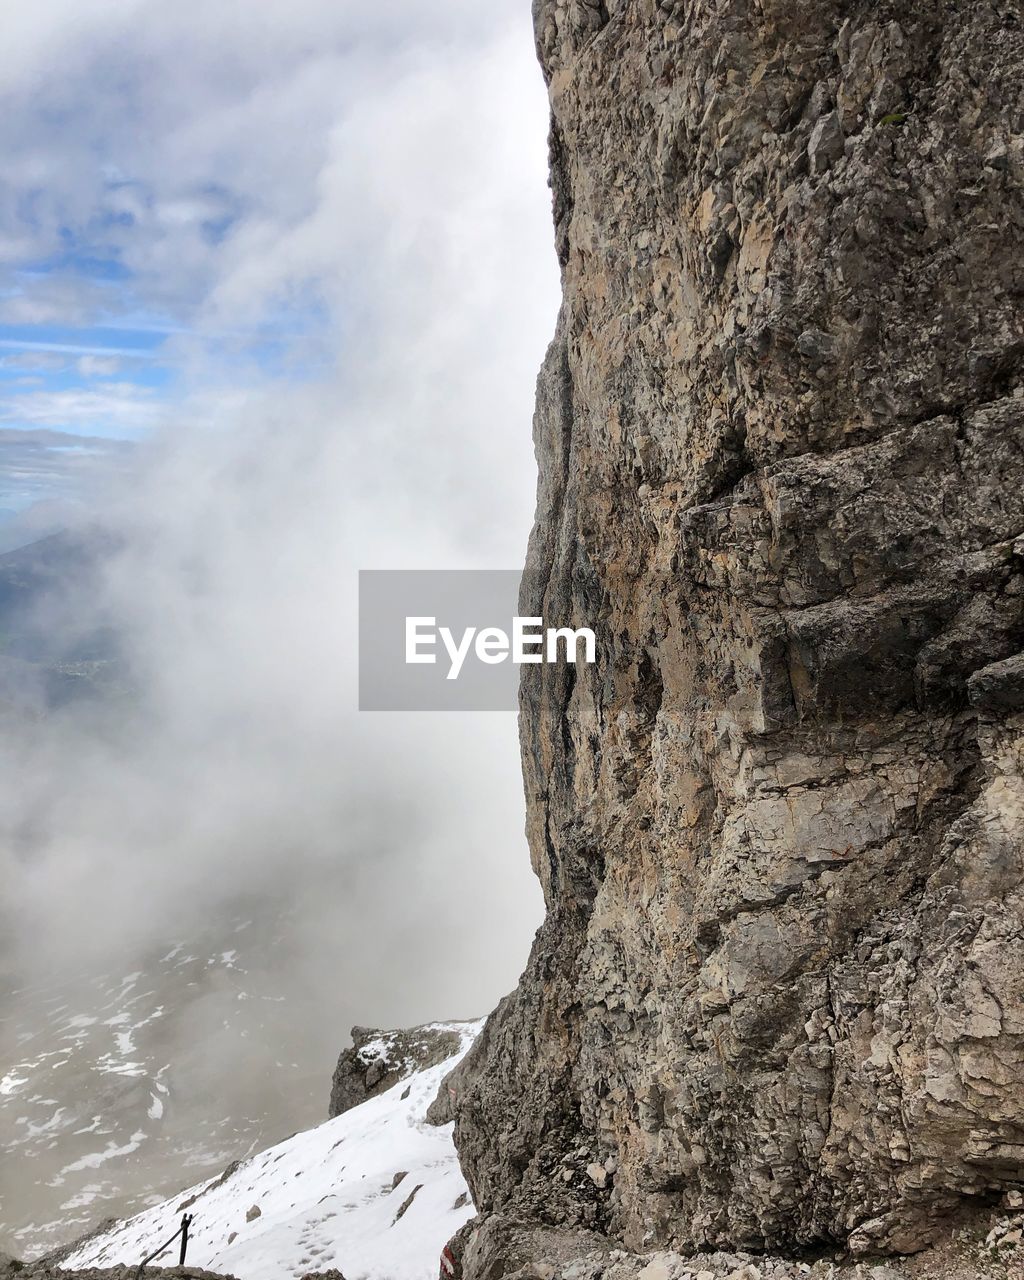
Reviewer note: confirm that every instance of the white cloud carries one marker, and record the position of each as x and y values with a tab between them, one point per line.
152	126
98	366
388	164
34	361
115	408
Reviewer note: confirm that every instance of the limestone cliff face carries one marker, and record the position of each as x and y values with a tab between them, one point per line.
779	995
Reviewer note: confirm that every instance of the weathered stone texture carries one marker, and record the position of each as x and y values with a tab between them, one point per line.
780	990
378	1060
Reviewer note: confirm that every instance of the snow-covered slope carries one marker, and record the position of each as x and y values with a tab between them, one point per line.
375	1193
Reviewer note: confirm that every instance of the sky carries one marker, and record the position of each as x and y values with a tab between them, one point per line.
201	202
275	283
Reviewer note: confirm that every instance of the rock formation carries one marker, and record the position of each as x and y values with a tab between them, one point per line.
378	1060
778	999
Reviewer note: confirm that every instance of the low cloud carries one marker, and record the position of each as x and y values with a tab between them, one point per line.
375	178
119	408
33	361
57	469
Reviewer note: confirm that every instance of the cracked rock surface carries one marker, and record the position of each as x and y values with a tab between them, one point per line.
378	1060
778	1000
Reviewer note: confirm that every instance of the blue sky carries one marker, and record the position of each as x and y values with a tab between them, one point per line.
39	363
116	374
105	380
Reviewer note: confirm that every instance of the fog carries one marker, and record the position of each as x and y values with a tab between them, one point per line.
337	216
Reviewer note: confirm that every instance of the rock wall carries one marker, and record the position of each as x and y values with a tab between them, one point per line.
779	995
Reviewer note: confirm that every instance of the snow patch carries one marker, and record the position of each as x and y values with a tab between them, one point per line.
12	1082
97	1158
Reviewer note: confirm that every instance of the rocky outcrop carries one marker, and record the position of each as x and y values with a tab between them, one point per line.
779	994
986	1248
378	1060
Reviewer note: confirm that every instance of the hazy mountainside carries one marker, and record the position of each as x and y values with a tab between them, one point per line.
374	1192
778	1000
113	1088
53	648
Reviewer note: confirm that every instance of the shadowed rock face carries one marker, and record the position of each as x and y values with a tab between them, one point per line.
779	995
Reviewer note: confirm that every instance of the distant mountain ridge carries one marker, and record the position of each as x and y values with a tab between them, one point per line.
55	644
